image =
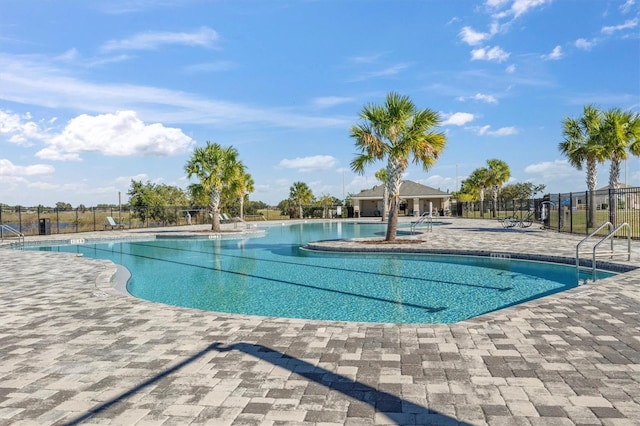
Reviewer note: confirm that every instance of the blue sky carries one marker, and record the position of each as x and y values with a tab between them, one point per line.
94	94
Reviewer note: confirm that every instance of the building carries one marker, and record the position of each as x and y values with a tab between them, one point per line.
415	199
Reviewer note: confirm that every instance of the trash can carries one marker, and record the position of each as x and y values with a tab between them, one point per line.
45	226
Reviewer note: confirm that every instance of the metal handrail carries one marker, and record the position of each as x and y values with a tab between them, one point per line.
609	236
20	235
422	219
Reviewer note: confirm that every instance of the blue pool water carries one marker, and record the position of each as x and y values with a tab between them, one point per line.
271	276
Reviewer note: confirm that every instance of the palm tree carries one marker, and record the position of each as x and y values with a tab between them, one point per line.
326	201
499	173
397	131
620	135
582	145
245	187
300	194
381	175
480	178
217	168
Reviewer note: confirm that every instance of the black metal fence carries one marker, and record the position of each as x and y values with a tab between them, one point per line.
573	212
46	221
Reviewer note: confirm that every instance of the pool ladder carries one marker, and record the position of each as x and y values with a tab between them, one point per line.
610	253
13	232
424	218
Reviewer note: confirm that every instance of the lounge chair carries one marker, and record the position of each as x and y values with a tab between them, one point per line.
521	222
113	224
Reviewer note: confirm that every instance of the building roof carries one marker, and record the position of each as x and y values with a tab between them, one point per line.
408	189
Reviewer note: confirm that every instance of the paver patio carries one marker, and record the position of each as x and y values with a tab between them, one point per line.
74	350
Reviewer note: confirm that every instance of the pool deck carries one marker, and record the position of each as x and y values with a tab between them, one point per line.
74	350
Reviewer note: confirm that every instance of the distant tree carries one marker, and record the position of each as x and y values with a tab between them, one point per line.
326	202
62	206
217	168
244	188
252	207
156	202
499	173
582	145
520	192
300	194
399	132
480	179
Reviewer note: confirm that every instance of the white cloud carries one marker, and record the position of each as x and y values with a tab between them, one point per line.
386	72
7	169
458	119
330	101
19	131
309	164
503	131
550	170
520	7
205	37
480	97
489	54
510	69
120	134
369	59
626	7
584	44
442	183
472	37
631	23
211	67
555	54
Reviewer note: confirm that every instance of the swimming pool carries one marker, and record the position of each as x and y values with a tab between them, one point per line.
271	276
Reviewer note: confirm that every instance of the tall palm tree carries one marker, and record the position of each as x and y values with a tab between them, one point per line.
582	145
381	175
300	194
499	173
244	188
217	168
620	135
480	178
399	132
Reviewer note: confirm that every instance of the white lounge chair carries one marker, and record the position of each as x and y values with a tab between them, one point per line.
113	224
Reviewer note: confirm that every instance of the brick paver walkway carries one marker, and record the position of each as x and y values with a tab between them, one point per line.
73	350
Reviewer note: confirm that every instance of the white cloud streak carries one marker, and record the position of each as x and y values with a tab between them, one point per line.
204	37
309	164
631	23
35	81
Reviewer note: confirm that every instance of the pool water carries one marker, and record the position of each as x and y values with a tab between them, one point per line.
272	276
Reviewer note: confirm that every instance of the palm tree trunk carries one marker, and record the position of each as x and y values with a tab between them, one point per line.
392	225
242	207
592	183
215	210
481	202
300	209
494	197
385	203
614	176
394	181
